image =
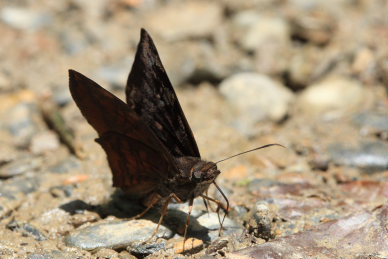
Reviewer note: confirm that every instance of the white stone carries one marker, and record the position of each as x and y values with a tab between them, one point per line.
334	95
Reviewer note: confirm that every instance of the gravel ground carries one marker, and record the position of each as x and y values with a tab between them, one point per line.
310	75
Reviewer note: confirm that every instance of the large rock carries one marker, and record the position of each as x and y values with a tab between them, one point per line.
359	235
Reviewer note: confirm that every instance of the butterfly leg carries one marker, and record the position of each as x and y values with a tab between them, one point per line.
151	204
219	205
162	214
227	205
187	222
206	205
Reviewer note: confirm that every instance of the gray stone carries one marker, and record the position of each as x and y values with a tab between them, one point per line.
372	120
334	96
20	165
66	165
256	97
14	186
142	250
20	123
26	229
13	192
210	221
115	234
369	156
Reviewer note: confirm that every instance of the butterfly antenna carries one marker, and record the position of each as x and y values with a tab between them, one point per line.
265	146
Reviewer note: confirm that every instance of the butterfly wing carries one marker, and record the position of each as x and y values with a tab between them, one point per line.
137	158
150	93
136	167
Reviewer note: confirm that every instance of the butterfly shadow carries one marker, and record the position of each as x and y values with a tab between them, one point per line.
122	207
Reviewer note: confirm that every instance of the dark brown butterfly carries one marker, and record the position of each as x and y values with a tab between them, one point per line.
150	147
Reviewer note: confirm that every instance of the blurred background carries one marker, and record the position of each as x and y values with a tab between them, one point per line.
311	75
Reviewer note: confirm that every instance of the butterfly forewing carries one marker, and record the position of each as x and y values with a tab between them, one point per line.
150	93
134	153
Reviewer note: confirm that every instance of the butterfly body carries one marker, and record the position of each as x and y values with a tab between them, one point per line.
194	179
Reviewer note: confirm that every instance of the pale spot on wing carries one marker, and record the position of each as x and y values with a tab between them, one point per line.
158	125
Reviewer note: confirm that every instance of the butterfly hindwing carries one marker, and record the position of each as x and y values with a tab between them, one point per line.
133	163
150	93
134	153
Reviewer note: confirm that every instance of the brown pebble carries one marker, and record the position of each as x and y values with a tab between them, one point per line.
76	179
191	245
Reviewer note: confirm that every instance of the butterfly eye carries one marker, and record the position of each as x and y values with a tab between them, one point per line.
197	174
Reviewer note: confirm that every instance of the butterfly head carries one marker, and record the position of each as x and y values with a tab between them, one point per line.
204	172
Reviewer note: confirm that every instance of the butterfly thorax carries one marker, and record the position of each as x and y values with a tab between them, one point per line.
194	178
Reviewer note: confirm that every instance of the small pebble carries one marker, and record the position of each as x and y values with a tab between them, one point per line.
20	123
85	217
142	250
217	245
61	191
315	27
27	229
259	221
